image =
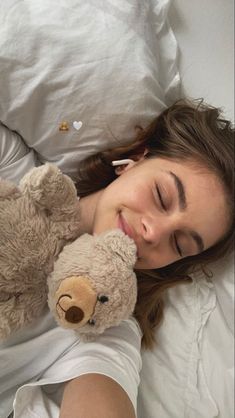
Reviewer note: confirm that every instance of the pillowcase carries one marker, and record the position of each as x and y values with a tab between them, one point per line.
16	159
190	371
223	280
100	67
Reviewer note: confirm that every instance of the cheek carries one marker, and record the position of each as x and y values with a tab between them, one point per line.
155	260
138	198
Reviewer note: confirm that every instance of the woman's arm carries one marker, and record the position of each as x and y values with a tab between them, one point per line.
95	395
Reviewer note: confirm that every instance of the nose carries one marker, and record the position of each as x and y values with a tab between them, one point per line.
154	231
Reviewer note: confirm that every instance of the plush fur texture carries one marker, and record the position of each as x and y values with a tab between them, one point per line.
88	280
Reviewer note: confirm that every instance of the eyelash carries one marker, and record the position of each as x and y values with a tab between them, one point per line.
177	247
161	200
165	208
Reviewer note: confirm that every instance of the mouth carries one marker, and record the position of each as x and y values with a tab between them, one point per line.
123	225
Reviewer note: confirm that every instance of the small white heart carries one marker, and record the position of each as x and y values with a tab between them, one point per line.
77	125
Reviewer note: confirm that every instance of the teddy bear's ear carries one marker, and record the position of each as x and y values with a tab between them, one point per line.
116	242
50	189
8	190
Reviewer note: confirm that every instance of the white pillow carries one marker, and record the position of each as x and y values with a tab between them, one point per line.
223	280
16	159
108	64
190	372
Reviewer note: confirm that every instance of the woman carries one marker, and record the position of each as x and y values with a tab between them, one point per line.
173	197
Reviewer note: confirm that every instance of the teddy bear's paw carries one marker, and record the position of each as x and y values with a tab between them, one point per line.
4	333
74	302
20	309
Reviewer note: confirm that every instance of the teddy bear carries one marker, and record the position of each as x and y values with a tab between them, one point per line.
87	280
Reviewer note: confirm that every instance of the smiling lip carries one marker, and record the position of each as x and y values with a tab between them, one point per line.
123	225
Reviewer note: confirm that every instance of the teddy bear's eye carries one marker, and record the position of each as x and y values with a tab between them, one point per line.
103	299
91	322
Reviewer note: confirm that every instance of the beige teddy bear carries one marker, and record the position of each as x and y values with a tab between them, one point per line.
88	280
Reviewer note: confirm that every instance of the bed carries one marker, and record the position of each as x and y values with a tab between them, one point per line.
78	77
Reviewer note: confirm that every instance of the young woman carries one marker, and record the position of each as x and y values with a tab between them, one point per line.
175	197
173	194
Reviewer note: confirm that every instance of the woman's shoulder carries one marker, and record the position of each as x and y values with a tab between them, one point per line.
45	328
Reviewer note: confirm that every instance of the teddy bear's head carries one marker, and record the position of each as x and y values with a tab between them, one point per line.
93	285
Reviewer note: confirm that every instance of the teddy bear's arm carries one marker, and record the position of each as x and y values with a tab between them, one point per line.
49	187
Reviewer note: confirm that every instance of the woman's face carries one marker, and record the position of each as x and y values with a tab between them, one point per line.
172	210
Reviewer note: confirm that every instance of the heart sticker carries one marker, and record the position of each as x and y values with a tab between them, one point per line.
77	125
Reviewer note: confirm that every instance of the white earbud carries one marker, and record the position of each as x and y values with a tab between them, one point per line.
121	162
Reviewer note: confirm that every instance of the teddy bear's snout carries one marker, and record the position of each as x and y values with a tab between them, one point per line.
74	315
75	301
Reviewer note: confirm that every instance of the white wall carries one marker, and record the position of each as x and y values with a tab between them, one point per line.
205	32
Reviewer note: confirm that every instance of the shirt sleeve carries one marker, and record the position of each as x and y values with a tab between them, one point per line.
115	354
15	157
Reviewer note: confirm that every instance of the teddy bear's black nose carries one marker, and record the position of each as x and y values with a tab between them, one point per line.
74	315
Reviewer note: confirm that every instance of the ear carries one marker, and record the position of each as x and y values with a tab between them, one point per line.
120	169
125	167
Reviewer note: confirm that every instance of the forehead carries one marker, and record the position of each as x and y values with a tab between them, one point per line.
192	166
187	170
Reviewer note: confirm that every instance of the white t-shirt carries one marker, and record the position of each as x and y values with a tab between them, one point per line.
35	362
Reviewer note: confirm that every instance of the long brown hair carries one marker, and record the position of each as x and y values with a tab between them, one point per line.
188	130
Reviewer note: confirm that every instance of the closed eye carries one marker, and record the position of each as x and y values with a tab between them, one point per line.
164	207
178	247
161	199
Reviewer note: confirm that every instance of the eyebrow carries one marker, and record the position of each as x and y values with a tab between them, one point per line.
181	191
183	205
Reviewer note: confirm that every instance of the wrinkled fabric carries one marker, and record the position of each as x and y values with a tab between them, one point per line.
190	372
108	64
36	362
